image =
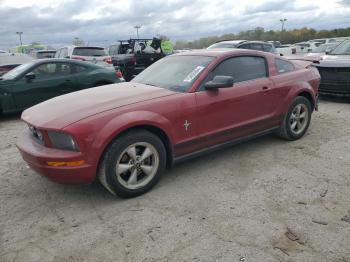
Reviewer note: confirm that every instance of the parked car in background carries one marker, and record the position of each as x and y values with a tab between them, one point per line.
43	54
2	51
9	61
322	49
134	55
307	47
42	79
325	40
286	50
93	54
244	44
181	106
335	71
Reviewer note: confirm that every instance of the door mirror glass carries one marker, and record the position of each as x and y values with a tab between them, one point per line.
30	76
219	82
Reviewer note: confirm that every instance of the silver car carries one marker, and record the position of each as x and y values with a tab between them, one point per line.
92	54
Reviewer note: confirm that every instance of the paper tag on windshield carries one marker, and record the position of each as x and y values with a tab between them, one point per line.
193	74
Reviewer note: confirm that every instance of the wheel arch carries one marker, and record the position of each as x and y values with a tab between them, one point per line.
156	124
309	97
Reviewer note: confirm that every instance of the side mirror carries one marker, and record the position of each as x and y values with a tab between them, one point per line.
30	76
219	82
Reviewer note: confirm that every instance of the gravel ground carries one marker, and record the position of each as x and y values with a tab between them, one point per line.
265	200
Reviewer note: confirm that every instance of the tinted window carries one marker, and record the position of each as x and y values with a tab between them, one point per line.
45	54
241	68
284	66
89	51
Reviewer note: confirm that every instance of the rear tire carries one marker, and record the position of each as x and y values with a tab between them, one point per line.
297	120
133	163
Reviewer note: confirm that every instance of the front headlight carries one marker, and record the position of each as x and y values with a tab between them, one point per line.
61	140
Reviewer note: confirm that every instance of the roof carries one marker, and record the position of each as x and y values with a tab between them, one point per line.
221	52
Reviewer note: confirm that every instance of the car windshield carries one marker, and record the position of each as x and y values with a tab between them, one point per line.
323	48
176	73
16	71
342	49
89	51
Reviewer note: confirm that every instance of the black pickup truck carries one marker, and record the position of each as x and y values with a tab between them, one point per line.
134	55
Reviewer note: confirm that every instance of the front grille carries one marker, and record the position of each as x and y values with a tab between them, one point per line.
335	80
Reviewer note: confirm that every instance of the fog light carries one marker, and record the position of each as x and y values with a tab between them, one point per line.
71	163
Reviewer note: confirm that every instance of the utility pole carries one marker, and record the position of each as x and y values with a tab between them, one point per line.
137	27
283	21
20	36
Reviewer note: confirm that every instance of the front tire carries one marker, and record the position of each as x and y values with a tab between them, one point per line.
297	120
133	163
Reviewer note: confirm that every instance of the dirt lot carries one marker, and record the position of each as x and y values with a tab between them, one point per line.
265	200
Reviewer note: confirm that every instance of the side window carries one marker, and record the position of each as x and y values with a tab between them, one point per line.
75	69
256	46
52	69
242	68
284	66
63	69
267	48
245	46
45	70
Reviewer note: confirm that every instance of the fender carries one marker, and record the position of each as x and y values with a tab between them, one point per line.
126	121
303	87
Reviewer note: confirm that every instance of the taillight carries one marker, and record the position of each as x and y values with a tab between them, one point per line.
133	60
108	60
119	73
78	58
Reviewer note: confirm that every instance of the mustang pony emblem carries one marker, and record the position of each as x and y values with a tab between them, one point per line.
186	125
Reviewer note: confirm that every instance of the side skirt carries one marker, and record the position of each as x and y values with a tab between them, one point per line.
223	145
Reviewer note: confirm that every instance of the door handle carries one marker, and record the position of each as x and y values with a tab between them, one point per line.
266	88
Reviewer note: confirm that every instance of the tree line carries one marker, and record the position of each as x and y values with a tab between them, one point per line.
259	33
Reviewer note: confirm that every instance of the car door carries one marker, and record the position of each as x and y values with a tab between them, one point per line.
47	80
245	108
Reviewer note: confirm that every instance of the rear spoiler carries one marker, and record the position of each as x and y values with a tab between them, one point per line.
312	59
305	61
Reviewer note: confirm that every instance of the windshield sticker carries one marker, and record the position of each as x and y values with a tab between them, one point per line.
193	74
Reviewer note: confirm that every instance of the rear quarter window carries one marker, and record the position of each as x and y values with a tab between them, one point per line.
284	66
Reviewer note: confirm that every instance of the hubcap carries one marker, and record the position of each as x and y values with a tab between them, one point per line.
137	165
299	119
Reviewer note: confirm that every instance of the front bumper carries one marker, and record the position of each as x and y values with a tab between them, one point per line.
37	157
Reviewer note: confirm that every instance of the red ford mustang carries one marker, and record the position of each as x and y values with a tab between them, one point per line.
185	104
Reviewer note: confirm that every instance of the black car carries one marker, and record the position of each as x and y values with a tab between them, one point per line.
335	71
244	44
134	55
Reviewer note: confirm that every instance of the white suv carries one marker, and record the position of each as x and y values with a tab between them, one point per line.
92	54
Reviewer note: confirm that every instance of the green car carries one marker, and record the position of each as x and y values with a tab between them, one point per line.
40	80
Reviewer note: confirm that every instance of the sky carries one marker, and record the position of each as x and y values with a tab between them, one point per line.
102	22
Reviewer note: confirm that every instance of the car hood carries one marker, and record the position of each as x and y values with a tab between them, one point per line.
335	61
64	110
